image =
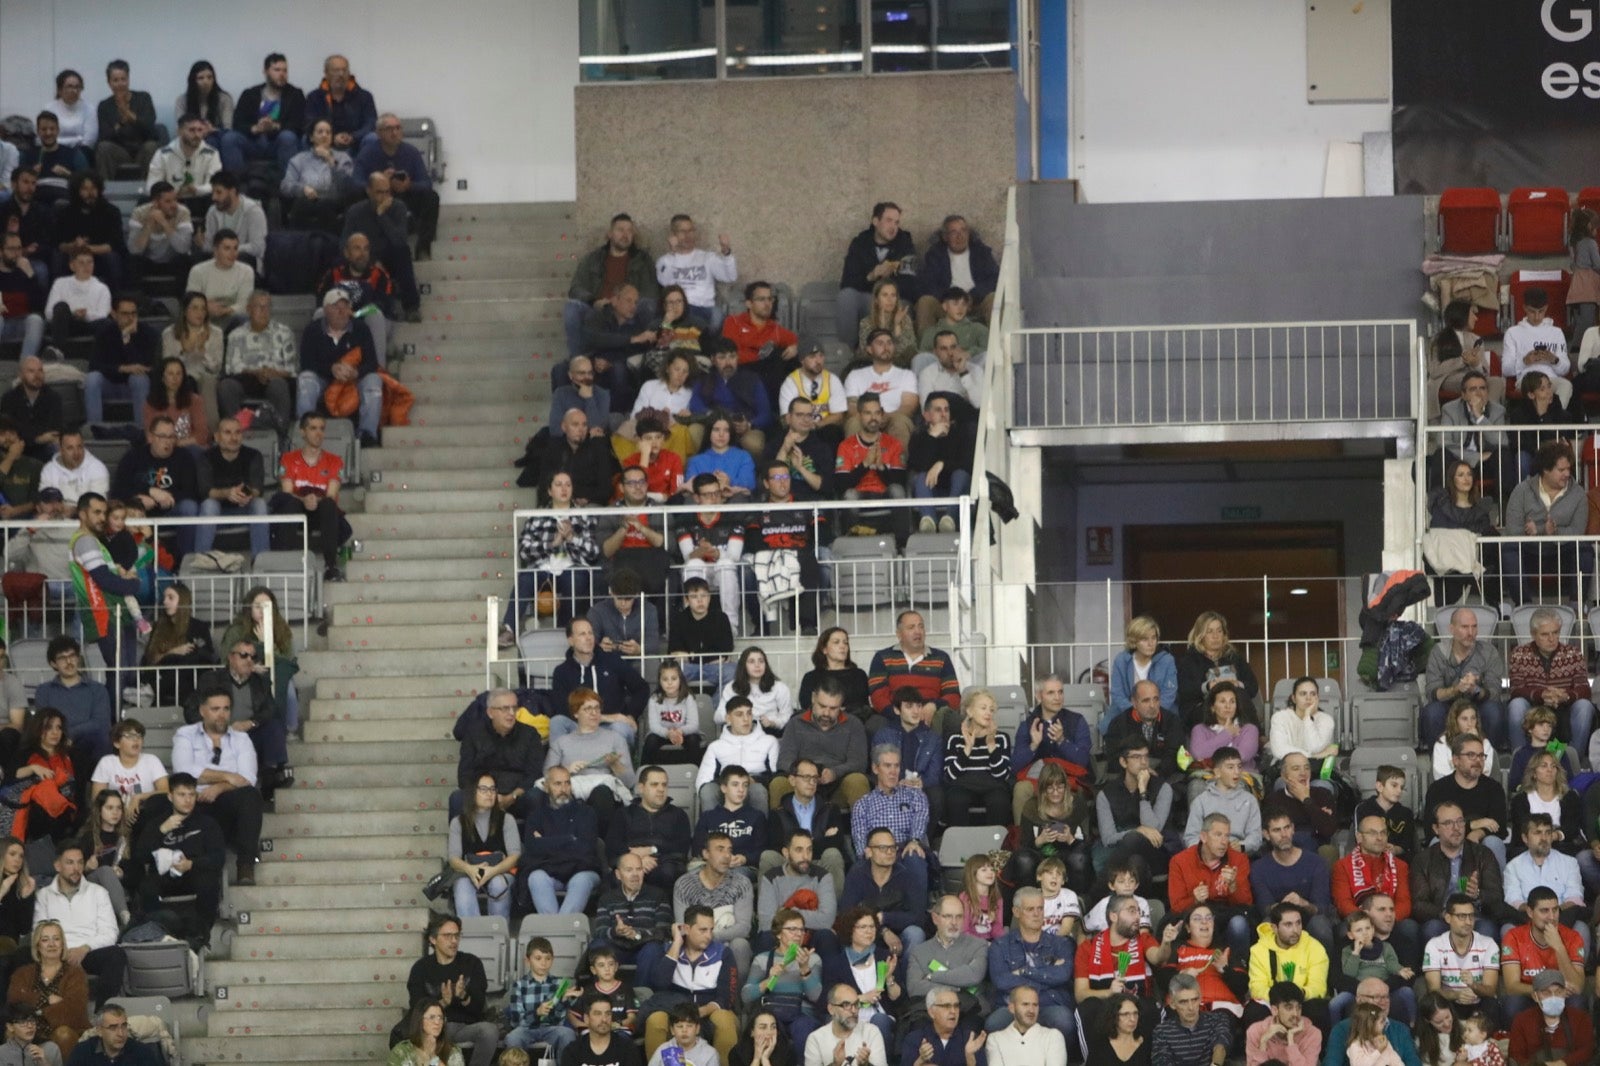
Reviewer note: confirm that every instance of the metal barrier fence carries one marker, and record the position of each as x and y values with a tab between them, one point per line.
37	611
1501	456
860	583
1167	376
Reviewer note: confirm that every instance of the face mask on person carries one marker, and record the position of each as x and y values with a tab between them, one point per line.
1552	1006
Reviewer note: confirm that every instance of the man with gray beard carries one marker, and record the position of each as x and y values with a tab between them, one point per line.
558	848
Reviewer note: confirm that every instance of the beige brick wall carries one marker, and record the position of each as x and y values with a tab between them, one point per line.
789	167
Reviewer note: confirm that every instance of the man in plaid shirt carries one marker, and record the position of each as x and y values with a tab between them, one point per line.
901	809
533	1013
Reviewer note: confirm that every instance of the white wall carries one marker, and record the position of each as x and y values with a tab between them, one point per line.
496	75
1200	100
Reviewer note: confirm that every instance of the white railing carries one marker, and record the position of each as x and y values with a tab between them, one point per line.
862	593
1238	373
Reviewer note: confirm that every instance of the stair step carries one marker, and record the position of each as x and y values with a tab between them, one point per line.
397	730
326	1021
426	569
399	707
463	683
486	548
500	476
520	310
345	799
464	412
287	827
395	847
541	265
243	999
355	895
420	636
269	925
270	1047
493	375
330	945
308	757
356	666
240	977
477	457
449	501
554	212
372	592
487	336
376	528
314	777
531	392
429	613
338	871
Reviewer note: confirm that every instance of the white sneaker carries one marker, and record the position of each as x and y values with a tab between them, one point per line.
926	525
947	524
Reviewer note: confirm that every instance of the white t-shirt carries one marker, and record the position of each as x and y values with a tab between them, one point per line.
138	781
961	269
1439	956
1058	908
655	395
1095	920
890	386
90	476
91	296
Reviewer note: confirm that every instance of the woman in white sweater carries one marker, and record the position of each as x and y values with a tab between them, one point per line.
741	744
754	679
1304	726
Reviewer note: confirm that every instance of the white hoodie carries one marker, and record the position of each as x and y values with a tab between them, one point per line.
757	753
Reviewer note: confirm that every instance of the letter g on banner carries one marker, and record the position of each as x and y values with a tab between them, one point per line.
1581	17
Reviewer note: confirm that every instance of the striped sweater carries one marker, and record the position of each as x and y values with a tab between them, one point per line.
934	676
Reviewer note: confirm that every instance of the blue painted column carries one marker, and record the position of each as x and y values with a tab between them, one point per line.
1053	19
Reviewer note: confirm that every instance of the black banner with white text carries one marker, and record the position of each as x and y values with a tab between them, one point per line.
1500	93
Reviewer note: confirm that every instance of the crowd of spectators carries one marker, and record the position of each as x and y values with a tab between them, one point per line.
1205	888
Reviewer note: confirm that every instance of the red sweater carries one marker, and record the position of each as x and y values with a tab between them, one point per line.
1189	871
934	677
1528	1037
749	338
1531	675
1376	876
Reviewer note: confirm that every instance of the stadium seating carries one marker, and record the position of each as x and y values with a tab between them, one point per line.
1536	221
1522	620
1469	221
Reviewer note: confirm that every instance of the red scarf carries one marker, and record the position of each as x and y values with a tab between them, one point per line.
1366	878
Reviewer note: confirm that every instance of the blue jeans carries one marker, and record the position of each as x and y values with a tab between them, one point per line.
311	385
542	887
260	532
557	1036
96	388
959	482
711	672
1522	566
279	147
466	896
575	591
1579	722
1491	716
29	330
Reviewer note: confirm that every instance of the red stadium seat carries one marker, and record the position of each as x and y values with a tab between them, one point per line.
1555	284
1589	196
1536	221
1484	322
1469	221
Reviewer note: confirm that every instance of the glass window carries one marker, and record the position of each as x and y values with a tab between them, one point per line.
774	37
656	40
647	40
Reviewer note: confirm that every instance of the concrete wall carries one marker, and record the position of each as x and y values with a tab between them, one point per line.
1200	100
798	162
498	83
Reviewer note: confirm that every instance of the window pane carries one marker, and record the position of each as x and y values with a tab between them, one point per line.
972	34
770	37
647	40
902	35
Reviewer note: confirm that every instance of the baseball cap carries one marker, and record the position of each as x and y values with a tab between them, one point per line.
334	295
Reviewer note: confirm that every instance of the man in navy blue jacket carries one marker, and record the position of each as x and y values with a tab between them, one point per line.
623	693
1027	955
326	350
956	257
885	885
348	107
409	179
558	848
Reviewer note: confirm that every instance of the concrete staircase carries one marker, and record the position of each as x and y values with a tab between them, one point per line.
317	973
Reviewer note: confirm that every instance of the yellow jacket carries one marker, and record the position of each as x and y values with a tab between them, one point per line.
1309	959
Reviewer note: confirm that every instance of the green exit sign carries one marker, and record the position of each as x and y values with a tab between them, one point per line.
1241	514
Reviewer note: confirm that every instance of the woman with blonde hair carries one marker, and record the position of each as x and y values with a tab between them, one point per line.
1210	658
1143	659
889	312
1054	824
54	987
977	764
1545	791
